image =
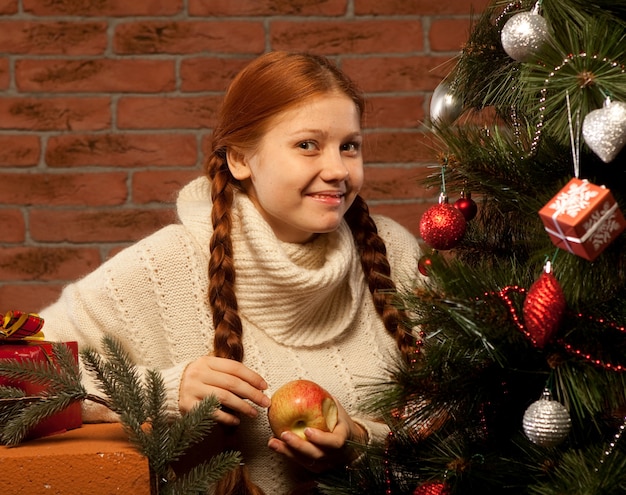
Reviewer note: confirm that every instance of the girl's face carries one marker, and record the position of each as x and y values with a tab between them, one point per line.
307	169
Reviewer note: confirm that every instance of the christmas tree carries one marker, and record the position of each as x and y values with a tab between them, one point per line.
518	385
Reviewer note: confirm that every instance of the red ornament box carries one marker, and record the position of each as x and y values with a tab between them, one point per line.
23	350
583	219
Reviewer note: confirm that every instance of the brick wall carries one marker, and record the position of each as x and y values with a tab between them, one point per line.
106	107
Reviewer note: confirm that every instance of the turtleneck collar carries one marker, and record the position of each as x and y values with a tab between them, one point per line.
298	294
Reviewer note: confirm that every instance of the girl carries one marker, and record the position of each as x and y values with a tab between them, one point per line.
275	272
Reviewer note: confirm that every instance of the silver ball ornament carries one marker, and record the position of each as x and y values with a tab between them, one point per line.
523	35
546	422
604	130
445	106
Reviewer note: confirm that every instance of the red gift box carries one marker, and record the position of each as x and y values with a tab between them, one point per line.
23	350
583	218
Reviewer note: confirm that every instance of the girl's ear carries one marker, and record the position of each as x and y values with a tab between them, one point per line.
237	164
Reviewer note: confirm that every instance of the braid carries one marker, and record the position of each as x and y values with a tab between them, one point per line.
377	271
227	342
228	330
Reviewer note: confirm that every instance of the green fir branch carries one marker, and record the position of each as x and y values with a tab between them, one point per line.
119	379
584	65
191	428
143	413
201	477
15	429
59	376
57	373
155	444
586	472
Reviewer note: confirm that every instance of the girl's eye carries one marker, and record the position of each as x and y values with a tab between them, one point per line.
307	146
352	147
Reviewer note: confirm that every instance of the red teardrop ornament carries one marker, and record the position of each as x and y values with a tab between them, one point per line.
543	308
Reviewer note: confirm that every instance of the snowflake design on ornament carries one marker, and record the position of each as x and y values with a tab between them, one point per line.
576	199
603	232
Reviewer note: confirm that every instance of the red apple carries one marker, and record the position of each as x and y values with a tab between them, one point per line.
301	404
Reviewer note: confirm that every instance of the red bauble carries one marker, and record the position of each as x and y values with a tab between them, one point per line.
423	264
432	488
466	205
543	308
442	226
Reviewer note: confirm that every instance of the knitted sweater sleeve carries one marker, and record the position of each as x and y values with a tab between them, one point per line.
149	297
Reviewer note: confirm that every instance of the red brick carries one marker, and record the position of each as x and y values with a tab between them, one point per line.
205	146
62	114
5	76
161	186
30	297
394	111
384	74
113	250
193	112
97	225
407	214
8	7
399	147
448	35
44	38
19	150
209	74
95	75
39	263
421	7
189	37
385	183
12	225
122	150
267	7
108	8
337	37
89	189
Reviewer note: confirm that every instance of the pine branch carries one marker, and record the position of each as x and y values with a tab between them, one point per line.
155	445
200	478
119	380
22	421
58	373
142	409
586	472
62	382
191	428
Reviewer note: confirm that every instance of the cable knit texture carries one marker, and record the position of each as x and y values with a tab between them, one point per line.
305	308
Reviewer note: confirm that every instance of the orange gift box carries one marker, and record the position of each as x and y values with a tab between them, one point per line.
583	219
23	350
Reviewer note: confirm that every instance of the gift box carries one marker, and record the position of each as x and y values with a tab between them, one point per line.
583	218
21	339
69	418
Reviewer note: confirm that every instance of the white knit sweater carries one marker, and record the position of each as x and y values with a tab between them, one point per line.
305	308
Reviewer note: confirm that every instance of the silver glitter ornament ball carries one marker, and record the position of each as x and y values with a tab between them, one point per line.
547	422
604	130
523	35
445	106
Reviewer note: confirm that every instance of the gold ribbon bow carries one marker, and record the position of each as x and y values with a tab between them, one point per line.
17	325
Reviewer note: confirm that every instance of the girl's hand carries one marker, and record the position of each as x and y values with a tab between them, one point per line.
322	450
230	381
